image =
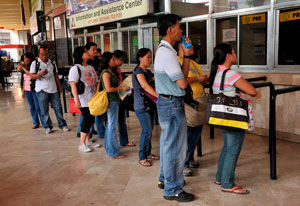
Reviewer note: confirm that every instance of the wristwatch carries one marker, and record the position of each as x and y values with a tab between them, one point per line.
186	57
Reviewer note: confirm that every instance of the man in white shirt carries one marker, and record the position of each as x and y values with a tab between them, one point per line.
46	87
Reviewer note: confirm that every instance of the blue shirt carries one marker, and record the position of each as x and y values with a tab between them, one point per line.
167	71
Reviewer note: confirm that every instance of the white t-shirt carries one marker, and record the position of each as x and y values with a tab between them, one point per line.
90	79
46	83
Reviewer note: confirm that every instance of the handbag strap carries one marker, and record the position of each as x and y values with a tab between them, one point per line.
222	80
79	72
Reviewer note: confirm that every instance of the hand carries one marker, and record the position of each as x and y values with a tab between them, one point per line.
202	79
23	95
42	73
125	88
77	104
187	52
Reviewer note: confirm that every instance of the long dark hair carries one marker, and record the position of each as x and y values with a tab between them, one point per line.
141	53
77	54
220	53
30	56
104	63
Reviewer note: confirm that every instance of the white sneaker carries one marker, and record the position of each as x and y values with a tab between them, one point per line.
95	145
49	130
65	129
84	148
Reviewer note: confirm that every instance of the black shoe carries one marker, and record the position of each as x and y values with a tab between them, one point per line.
78	134
161	185
187	172
181	197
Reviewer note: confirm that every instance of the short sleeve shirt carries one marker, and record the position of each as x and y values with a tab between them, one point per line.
89	78
230	78
167	70
138	100
46	83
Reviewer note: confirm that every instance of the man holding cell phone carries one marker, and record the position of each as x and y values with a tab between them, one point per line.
170	84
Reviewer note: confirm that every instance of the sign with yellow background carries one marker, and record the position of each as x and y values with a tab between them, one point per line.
35	6
290	16
253	19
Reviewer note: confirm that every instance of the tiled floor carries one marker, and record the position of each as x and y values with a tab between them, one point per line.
46	170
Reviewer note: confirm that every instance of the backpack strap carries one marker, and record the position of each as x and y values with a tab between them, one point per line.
37	66
79	72
54	68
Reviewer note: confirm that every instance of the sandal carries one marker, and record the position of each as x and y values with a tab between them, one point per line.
217	183
131	144
145	163
237	190
153	157
118	157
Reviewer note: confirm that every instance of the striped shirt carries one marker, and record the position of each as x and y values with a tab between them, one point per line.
230	78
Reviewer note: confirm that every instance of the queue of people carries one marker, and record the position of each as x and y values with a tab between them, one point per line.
173	72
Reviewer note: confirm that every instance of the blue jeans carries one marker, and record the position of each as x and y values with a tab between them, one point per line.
173	143
79	127
44	100
193	136
111	145
123	135
34	108
147	124
100	125
233	141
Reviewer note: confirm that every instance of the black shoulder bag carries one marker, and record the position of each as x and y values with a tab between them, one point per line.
80	85
32	81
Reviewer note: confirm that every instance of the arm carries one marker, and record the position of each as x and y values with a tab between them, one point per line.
75	94
246	87
144	84
201	79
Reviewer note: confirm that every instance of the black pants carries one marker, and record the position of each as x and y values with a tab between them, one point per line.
87	121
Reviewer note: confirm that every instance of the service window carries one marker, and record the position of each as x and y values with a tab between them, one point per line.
134	46
125	45
226	32
156	41
253	39
289	37
106	42
198	35
115	38
97	39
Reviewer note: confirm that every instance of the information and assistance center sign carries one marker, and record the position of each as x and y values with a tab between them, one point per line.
290	16
253	19
108	13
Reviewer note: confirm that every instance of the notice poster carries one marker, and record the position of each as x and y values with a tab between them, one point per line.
229	35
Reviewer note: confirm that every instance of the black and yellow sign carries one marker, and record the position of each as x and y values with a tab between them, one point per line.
253	19
290	16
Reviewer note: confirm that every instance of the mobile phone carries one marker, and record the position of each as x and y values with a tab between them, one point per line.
186	45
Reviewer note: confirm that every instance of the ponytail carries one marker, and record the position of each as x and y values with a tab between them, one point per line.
220	53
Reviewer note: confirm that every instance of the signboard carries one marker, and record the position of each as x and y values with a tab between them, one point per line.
290	16
35	6
112	12
229	35
253	19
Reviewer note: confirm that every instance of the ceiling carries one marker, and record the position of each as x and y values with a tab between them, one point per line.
10	13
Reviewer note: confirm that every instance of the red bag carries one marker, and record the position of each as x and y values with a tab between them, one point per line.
73	109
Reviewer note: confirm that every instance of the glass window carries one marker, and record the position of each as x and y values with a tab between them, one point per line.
147	37
106	42
280	1
115	36
197	34
253	39
226	31
187	8
125	44
289	41
156	40
75	42
81	41
227	5
134	46
59	27
97	39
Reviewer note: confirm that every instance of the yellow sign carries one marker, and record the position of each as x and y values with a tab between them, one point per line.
290	16
35	6
108	13
253	19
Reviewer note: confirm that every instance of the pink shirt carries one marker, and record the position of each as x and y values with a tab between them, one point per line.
27	82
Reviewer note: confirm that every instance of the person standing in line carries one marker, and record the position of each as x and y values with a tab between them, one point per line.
170	84
119	57
196	80
30	95
110	83
224	58
48	89
89	78
142	78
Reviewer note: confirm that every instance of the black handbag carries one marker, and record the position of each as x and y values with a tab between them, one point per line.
227	112
80	85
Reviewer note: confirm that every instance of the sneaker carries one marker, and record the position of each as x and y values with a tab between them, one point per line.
187	172
95	145
161	185
181	197
84	148
65	129
49	130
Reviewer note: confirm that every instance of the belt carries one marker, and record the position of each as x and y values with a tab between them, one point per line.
170	96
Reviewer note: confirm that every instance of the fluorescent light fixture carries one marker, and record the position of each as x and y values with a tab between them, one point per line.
196	1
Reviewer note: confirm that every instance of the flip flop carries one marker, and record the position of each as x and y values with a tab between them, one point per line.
153	157
118	157
145	163
217	183
237	190
131	144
